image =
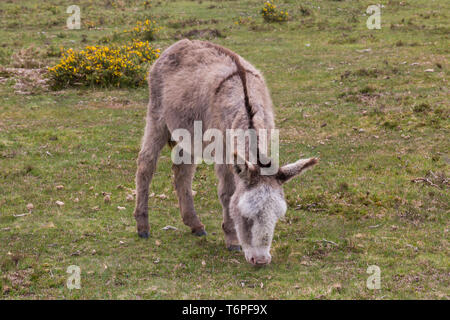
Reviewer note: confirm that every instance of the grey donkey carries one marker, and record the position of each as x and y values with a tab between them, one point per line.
201	81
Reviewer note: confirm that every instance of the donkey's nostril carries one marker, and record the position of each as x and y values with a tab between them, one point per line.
260	261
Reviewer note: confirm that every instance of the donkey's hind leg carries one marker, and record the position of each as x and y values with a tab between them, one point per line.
155	137
184	173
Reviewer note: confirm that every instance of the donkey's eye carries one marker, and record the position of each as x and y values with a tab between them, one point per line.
247	225
248	222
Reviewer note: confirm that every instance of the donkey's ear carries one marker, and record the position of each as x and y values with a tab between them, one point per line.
289	171
244	169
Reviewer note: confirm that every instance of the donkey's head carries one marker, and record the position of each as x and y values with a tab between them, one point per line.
257	204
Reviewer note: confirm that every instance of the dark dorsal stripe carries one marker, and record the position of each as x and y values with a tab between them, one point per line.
225	80
231	76
242	74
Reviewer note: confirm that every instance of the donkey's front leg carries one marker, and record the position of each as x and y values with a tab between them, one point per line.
225	190
155	137
183	175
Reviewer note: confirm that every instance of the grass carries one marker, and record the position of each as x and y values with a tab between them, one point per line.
358	98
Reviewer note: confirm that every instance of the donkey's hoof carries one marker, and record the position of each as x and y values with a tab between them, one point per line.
200	233
144	234
234	248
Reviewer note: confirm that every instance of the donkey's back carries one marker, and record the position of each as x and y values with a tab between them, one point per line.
198	80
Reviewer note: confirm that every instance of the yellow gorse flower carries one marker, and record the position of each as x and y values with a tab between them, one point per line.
103	65
145	30
271	14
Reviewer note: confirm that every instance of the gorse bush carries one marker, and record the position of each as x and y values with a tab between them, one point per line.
270	13
120	66
144	30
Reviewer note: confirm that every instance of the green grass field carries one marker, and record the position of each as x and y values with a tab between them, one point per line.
372	104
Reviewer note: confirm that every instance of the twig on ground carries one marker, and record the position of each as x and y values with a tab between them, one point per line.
328	241
20	215
426	180
169	228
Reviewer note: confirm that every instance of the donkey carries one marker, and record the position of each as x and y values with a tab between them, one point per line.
201	81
